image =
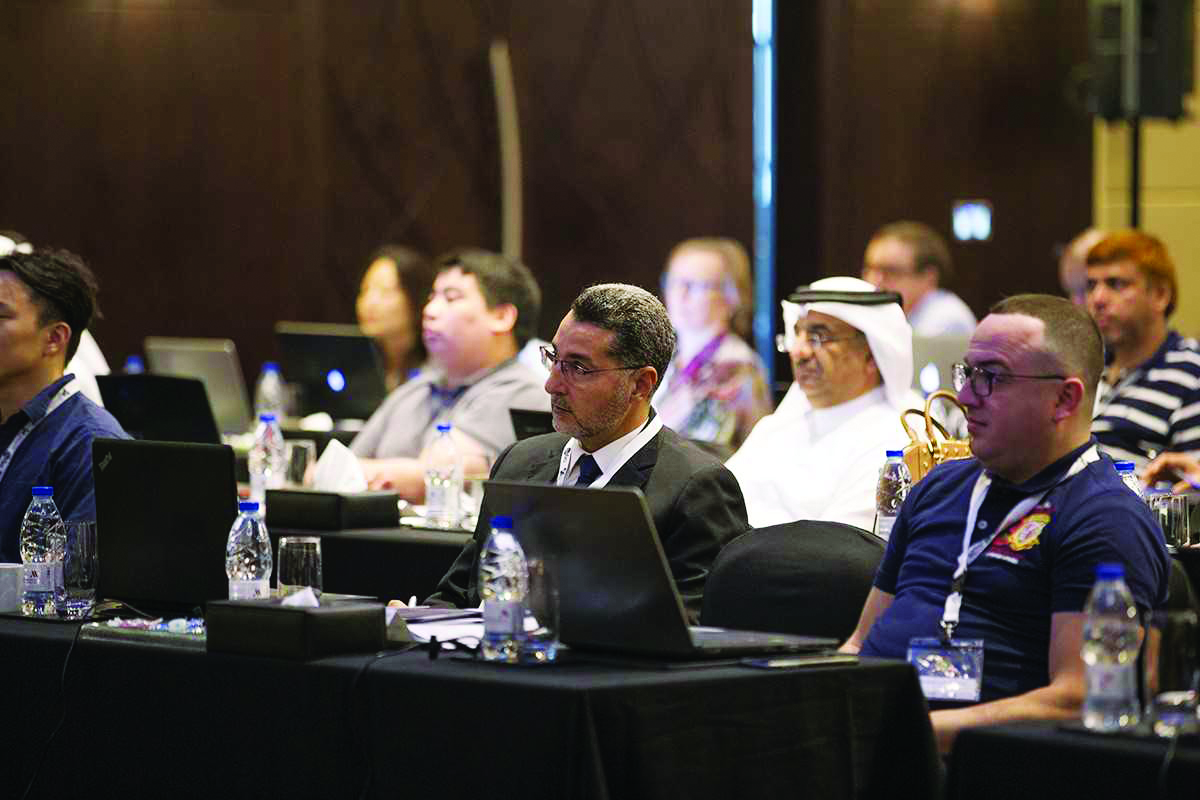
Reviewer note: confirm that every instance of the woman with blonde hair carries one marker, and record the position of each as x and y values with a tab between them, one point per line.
715	389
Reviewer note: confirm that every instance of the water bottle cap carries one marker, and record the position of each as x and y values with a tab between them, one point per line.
266	417
895	454
1109	572
43	491
270	366
248	505
1124	466
443	427
503	523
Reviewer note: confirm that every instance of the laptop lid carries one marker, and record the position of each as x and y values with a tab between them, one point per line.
527	422
335	368
163	514
934	358
213	361
616	592
160	407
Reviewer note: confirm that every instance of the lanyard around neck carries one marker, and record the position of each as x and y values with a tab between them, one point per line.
970	552
60	397
648	432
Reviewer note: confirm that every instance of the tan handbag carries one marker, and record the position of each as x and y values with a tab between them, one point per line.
923	455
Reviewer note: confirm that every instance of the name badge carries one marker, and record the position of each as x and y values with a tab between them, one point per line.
951	671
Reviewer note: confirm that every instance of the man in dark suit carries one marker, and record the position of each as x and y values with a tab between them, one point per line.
608	356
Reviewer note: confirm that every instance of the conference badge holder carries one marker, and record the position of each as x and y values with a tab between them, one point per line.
949	669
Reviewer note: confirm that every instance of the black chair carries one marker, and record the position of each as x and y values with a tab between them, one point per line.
806	577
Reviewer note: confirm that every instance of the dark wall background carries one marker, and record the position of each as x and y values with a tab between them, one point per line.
227	163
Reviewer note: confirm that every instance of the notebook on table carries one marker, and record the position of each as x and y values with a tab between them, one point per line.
616	593
163	514
213	361
335	369
160	407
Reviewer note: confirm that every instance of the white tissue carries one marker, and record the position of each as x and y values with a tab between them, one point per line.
305	598
338	470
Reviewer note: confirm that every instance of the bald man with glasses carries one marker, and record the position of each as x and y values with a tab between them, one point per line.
1002	548
605	363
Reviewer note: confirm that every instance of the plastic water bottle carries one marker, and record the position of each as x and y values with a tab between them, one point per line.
267	462
443	480
248	559
1111	638
1128	477
43	545
270	394
503	586
894	482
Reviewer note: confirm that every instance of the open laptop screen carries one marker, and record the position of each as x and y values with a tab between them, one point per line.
335	368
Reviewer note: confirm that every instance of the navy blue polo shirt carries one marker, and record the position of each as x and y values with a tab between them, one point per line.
1044	563
58	453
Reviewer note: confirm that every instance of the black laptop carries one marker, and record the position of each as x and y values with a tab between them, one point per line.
615	588
163	514
335	368
160	407
527	422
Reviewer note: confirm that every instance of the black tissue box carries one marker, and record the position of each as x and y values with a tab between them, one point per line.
268	628
331	511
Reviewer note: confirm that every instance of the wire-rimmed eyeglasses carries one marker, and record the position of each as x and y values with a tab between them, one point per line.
816	339
572	370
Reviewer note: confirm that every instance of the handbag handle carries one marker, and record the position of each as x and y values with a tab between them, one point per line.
944	394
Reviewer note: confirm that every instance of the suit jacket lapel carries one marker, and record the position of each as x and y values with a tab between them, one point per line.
636	471
543	467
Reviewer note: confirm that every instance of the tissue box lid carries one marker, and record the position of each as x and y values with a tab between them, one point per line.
331	511
267	628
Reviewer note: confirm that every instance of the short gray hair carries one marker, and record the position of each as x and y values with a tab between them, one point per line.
644	335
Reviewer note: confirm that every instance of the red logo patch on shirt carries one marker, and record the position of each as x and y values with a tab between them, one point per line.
1024	534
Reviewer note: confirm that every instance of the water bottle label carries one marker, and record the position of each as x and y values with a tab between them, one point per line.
883	526
41	577
1111	682
503	617
249	590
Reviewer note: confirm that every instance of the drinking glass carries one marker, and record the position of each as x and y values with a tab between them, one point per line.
299	564
1172	673
540	645
299	455
475	471
80	566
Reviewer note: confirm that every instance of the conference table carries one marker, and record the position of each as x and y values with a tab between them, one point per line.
1045	759
152	720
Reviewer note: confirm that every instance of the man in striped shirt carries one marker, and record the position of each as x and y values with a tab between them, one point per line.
1149	398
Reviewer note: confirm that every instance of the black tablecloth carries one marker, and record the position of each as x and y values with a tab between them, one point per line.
1041	759
157	722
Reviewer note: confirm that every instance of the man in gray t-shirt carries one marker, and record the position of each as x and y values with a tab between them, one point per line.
482	309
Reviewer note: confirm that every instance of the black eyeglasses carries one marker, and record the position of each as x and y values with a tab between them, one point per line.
816	339
984	381
572	370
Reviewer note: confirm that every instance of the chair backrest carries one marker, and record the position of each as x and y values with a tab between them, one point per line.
1181	595
807	577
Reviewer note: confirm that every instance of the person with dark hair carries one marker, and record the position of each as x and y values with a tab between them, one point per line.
396	281
482	309
606	361
1150	394
1003	547
88	361
913	259
715	388
47	298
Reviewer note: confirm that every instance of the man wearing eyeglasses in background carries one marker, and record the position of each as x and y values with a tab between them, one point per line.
818	455
912	258
1003	547
606	361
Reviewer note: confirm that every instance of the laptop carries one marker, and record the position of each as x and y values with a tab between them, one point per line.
335	368
163	514
160	407
616	593
213	361
934	358
528	423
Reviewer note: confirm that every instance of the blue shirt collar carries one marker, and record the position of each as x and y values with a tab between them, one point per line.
35	409
1049	476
